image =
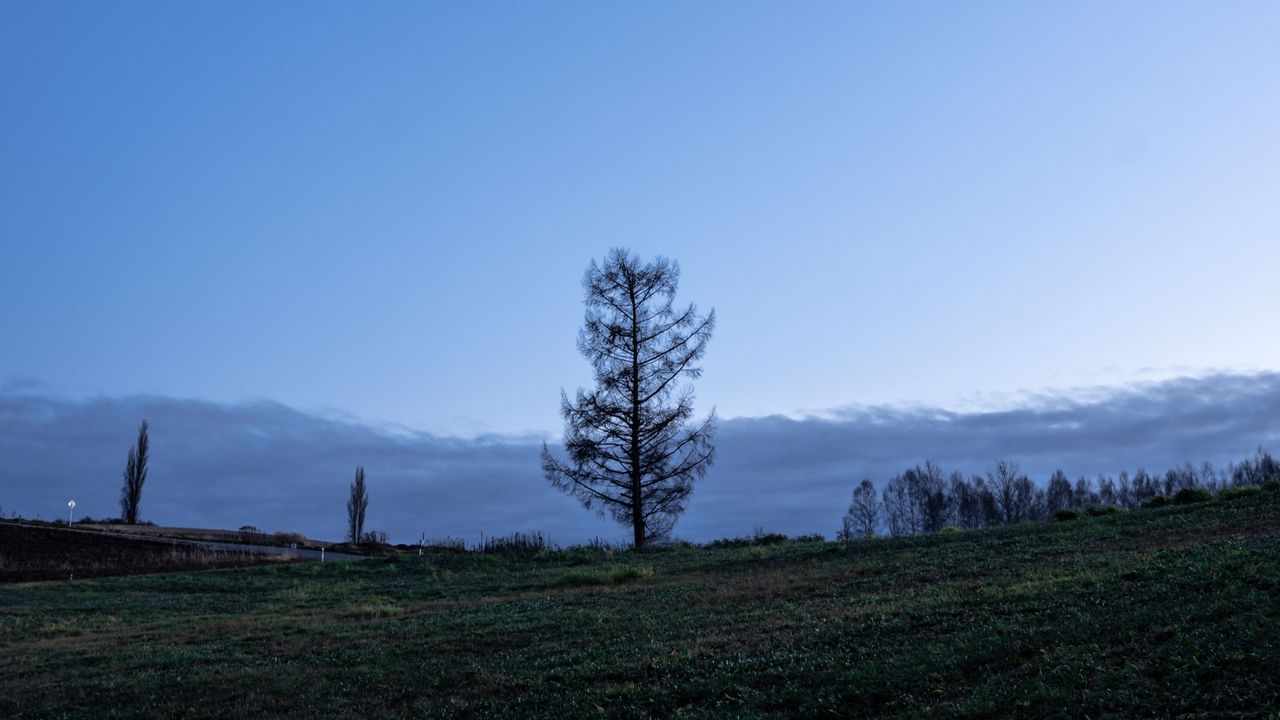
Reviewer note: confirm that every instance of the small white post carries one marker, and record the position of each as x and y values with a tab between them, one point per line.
71	512
321	554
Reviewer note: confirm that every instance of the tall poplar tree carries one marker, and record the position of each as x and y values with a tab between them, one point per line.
357	503
135	476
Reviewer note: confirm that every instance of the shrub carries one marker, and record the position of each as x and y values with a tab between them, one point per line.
287	538
1189	495
1100	510
1065	514
763	538
811	537
607	546
1271	485
1235	492
760	538
1156	502
516	543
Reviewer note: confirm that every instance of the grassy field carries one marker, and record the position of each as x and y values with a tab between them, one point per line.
1156	613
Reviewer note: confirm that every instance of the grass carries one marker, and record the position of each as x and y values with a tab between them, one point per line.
1154	613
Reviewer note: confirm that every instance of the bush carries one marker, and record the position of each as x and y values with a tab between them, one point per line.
1100	510
760	538
516	543
811	537
285	537
1156	502
1236	492
1271	485
763	538
1065	514
1189	495
607	546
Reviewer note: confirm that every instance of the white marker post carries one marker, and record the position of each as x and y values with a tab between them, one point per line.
71	513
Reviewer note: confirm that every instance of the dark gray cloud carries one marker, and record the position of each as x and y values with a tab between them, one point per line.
276	467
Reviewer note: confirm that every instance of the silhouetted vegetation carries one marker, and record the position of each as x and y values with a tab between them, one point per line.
357	504
759	538
1189	495
516	543
135	476
864	513
918	501
632	453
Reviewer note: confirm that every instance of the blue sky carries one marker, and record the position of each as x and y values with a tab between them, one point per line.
383	211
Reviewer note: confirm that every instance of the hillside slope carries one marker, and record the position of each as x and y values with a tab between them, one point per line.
1168	612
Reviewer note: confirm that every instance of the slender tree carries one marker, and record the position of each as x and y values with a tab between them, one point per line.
135	476
633	452
356	506
929	493
863	517
967	502
1014	492
899	512
1083	495
1058	494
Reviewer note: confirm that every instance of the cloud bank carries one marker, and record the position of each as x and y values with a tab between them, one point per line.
278	468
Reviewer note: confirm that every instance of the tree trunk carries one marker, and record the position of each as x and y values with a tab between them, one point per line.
637	510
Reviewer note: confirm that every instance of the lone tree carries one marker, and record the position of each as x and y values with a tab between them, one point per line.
632	452
356	505
135	476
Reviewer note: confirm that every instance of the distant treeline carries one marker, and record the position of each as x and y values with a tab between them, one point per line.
925	499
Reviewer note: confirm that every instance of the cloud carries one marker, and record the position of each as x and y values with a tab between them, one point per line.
275	467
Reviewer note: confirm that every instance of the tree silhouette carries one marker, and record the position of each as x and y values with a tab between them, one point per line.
135	476
632	452
1014	492
1058	493
356	506
864	513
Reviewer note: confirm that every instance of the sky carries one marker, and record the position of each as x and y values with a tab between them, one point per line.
378	216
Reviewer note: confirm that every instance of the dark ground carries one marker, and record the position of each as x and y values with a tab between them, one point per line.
31	552
1162	613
